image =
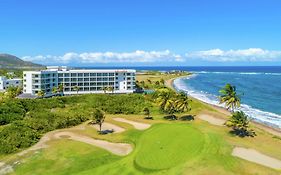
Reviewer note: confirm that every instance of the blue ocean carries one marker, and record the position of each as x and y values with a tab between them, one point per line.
259	87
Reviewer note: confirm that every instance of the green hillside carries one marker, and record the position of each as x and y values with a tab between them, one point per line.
10	61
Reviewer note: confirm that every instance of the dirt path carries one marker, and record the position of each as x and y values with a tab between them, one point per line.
121	149
109	126
256	157
212	120
137	125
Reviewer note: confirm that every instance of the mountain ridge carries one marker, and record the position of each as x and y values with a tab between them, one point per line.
12	62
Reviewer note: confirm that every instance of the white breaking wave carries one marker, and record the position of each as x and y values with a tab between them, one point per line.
268	118
241	73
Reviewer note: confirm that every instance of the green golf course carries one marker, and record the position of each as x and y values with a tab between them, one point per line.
169	148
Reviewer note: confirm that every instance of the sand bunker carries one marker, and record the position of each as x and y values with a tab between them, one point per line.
212	120
121	149
256	157
137	125
109	126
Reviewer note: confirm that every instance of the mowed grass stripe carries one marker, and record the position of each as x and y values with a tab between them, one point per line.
167	145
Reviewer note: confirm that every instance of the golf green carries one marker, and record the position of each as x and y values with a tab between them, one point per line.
168	145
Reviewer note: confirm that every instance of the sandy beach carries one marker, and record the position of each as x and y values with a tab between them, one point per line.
274	131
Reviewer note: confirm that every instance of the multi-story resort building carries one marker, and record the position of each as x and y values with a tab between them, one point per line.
5	83
78	81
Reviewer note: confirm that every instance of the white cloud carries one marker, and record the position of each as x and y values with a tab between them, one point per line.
163	57
246	55
108	57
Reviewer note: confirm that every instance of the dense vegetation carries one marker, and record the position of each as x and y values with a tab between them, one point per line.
25	121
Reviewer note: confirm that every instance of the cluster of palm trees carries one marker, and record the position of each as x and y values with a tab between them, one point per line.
108	89
239	121
157	83
172	102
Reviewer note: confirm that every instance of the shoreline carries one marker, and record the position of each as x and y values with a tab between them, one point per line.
274	131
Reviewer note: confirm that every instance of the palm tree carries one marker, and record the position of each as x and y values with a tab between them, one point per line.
162	81
149	81
60	88
99	117
55	90
142	83
76	88
157	83
183	102
146	112
229	97
41	93
163	97
104	89
240	124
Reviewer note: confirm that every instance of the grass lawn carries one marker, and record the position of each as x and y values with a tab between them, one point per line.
162	143
66	157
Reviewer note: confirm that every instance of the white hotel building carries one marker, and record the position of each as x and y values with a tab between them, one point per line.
87	80
6	83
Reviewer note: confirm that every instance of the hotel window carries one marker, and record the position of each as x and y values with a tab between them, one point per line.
66	75
128	74
80	74
66	84
93	79
86	74
99	79
60	75
73	79
80	79
80	84
86	84
86	79
66	79
60	79
73	84
111	74
93	74
93	84
86	89
116	74
99	74
93	88
105	79
105	74
74	74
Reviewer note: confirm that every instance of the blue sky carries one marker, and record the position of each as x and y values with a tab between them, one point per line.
142	32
